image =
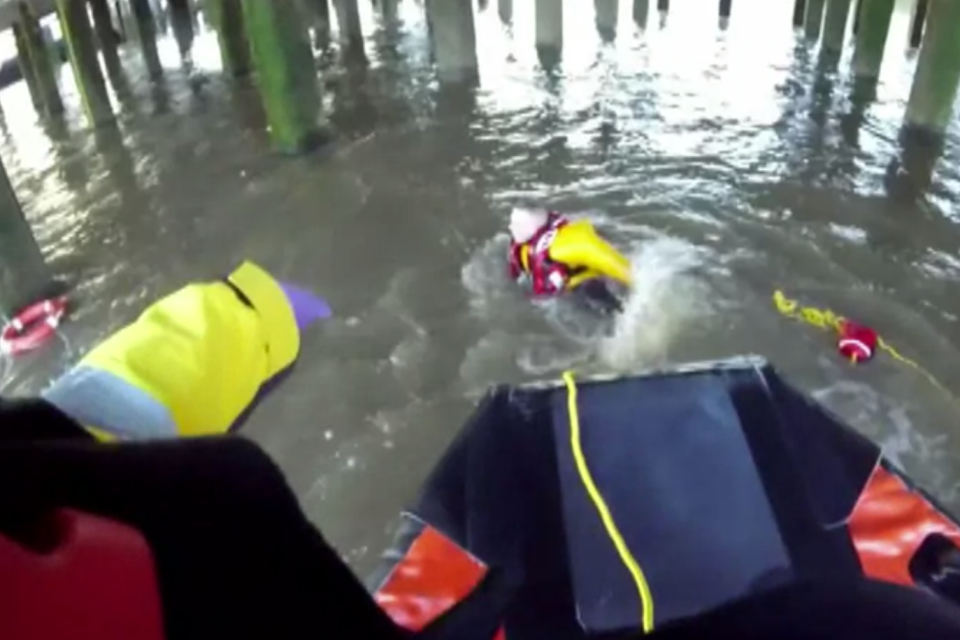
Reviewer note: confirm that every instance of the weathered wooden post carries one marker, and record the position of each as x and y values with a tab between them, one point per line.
813	20
875	17
227	19
641	12
917	23
82	46
106	36
725	7
663	6
799	12
549	29
147	33
835	25
41	61
606	12
286	73
454	38
25	63
24	275
181	19
505	10
934	90
351	33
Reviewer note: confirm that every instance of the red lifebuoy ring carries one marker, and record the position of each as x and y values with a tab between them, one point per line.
33	326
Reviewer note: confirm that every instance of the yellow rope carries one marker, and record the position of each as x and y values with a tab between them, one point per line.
827	319
643	589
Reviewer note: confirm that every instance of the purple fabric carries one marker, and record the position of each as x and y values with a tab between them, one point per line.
307	307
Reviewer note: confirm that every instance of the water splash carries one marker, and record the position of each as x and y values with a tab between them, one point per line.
665	301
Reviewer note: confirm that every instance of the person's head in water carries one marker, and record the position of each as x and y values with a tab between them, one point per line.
525	222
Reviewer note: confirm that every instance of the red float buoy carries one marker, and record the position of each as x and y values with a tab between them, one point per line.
33	326
856	343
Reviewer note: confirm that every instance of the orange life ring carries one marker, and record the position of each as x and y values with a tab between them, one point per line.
33	326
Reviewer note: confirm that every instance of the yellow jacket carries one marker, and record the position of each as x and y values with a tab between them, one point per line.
190	365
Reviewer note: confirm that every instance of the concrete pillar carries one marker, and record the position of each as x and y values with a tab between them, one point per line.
725	7
549	16
24	275
835	24
41	60
917	23
106	36
454	38
813	19
875	17
938	70
351	33
606	12
25	62
82	47
286	73
799	12
227	16
505	9
147	33
641	11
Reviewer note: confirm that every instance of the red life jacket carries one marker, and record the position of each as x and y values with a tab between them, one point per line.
549	277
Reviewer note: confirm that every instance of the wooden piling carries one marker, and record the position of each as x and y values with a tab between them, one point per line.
606	13
25	62
835	25
917	23
351	33
82	48
663	5
725	7
106	36
505	10
799	12
181	20
227	19
24	275
641	12
875	18
937	77
41	60
813	20
286	73
549	24
454	38
147	33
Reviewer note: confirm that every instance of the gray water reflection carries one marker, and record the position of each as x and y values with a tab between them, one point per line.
739	153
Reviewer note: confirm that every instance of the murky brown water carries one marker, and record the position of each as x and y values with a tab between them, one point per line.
727	160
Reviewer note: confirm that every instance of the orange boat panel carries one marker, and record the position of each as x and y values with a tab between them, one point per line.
888	525
433	576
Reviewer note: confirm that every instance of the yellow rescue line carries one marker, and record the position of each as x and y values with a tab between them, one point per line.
631	564
827	319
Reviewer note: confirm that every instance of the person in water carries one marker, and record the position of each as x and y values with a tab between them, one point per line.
558	255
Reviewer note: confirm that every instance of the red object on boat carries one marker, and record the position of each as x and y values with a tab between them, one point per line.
857	343
33	326
78	575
